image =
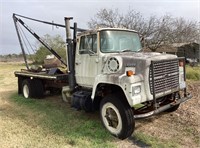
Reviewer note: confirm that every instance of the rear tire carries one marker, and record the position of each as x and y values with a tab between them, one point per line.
27	88
38	88
32	88
117	116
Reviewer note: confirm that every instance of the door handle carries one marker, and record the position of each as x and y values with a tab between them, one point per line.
77	62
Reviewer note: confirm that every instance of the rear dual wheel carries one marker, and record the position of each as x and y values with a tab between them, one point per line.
26	89
32	88
117	116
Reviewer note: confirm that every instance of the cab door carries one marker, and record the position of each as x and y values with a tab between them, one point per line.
86	62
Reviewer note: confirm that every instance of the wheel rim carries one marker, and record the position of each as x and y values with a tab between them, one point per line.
26	91
111	118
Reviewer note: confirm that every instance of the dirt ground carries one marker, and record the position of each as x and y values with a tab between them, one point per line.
181	127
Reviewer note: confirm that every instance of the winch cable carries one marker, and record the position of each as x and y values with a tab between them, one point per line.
20	41
34	51
23	39
39	39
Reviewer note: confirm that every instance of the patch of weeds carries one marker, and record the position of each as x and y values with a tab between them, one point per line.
153	142
71	142
192	73
192	132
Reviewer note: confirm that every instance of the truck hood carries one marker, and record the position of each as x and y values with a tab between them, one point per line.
140	60
146	56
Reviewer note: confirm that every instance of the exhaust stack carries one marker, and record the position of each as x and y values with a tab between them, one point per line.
70	54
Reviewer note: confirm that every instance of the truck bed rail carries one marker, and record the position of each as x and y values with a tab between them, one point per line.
41	75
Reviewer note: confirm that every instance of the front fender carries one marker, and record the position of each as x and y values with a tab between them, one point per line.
125	83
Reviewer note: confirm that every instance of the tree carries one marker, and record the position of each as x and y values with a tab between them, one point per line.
184	31
56	43
106	18
160	31
156	30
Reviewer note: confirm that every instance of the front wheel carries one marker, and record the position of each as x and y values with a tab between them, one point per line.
117	116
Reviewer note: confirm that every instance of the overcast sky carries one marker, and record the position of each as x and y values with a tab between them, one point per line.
82	11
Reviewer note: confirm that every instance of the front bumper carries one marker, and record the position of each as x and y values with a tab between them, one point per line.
164	108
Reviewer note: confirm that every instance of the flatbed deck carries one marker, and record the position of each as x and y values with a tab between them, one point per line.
41	75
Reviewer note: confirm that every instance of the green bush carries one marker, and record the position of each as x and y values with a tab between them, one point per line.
192	73
56	43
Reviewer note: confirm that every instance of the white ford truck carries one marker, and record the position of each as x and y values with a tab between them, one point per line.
107	70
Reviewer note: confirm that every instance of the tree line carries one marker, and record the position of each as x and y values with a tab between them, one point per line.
155	30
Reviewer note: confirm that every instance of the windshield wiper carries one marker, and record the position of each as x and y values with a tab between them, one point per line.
125	50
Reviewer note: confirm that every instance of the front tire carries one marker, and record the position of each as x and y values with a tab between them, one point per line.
117	116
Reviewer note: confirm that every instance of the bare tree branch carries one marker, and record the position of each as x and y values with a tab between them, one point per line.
157	31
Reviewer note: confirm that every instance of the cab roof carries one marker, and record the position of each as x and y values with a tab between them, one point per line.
102	29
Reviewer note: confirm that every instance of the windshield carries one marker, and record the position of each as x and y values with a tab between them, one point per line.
119	41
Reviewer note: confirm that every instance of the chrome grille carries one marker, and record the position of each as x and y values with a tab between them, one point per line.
163	75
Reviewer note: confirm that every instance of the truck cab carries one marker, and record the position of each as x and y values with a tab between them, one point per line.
93	49
111	66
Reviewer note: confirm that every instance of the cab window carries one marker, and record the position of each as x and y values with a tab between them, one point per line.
88	44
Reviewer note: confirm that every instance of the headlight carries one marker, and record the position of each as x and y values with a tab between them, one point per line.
136	90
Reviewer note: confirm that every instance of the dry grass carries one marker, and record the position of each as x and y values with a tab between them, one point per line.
16	132
44	123
52	123
19	133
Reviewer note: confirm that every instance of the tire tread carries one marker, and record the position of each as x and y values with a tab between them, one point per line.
128	122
